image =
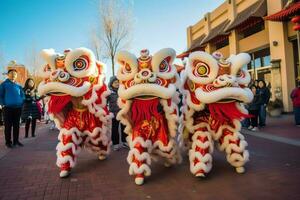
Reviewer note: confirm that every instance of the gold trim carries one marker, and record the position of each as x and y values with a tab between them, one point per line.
80	109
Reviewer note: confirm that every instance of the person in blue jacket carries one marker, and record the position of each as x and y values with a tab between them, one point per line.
11	98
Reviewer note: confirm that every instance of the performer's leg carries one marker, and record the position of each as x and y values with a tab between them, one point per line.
97	141
200	155
8	124
67	150
234	144
115	132
27	126
33	126
169	150
139	158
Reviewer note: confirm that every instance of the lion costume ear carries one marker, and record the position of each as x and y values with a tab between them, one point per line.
162	63
128	65
237	63
49	56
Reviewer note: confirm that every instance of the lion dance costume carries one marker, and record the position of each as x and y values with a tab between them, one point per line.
74	82
213	90
148	102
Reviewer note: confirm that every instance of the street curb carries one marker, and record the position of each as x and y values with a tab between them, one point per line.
268	136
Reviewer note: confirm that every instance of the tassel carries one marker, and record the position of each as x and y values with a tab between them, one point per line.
226	112
144	109
57	103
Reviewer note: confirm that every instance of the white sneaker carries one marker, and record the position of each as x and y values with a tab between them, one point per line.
116	147
254	129
250	127
125	145
139	180
64	174
101	157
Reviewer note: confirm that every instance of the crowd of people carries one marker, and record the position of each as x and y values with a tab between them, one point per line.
18	105
23	104
257	108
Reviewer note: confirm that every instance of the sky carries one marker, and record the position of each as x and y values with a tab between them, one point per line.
60	24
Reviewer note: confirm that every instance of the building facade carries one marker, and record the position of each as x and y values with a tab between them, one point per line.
240	26
22	72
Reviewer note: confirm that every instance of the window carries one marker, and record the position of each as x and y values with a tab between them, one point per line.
260	58
222	43
252	29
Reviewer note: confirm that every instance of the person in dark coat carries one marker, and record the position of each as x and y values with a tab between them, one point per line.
295	96
253	109
11	98
30	112
264	97
117	128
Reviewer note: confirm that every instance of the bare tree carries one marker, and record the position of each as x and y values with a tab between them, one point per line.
2	63
96	43
33	62
115	27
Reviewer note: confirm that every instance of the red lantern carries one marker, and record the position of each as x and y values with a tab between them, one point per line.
296	21
296	27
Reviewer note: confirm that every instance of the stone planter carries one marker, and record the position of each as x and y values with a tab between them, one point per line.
275	112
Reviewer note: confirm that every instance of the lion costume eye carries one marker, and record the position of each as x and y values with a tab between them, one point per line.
164	66
201	69
80	63
63	76
126	68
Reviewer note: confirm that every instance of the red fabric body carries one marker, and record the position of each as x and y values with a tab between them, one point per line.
57	103
83	120
225	112
148	123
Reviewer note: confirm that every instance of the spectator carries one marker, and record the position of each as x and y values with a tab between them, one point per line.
264	97
31	111
12	98
114	108
1	116
256	83
295	96
253	109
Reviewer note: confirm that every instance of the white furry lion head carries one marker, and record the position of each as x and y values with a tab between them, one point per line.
72	73
147	76
213	79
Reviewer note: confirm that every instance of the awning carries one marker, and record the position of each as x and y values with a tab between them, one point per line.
179	68
284	15
183	55
258	9
196	43
217	31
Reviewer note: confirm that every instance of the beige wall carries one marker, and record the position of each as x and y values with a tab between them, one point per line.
225	51
255	41
283	51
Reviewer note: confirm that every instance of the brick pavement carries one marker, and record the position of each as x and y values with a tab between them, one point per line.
30	173
283	126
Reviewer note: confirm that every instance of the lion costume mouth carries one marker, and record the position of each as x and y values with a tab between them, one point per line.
61	88
226	94
147	90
